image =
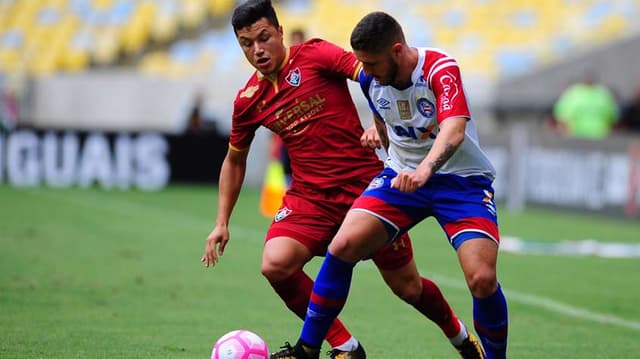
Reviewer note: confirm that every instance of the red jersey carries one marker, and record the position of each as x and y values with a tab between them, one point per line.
309	106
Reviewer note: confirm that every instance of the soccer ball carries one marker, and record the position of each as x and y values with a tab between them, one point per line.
240	344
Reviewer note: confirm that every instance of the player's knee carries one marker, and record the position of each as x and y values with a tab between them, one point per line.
276	271
344	249
482	283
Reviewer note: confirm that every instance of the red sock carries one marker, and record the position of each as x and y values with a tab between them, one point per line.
295	292
433	305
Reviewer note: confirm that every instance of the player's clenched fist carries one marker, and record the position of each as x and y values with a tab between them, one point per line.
408	181
370	138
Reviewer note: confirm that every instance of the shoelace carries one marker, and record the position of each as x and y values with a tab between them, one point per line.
286	349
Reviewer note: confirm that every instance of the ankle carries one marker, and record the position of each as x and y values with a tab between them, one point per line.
309	351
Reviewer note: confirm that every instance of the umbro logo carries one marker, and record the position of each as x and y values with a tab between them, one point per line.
383	103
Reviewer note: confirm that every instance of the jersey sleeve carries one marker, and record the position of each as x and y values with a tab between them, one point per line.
365	85
242	130
336	59
443	76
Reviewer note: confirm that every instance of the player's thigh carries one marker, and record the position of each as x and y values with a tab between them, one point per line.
297	234
395	255
464	208
359	236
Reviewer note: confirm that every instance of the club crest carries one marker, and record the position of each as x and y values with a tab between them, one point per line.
426	108
376	183
294	77
282	214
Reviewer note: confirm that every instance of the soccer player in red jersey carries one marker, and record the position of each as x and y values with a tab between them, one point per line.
300	93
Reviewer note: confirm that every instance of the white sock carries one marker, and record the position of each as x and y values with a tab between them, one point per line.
460	337
348	346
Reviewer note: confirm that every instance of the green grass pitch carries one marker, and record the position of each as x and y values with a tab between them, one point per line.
110	274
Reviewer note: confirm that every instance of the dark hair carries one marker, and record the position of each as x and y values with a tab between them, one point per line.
251	11
375	32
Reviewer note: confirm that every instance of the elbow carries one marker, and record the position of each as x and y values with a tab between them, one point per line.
457	137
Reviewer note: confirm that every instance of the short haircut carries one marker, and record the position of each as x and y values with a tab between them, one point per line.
376	32
247	13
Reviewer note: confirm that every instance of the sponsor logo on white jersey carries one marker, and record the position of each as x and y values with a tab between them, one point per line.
384	103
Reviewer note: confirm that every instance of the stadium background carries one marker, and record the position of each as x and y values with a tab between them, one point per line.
96	95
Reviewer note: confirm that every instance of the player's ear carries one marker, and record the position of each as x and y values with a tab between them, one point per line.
396	49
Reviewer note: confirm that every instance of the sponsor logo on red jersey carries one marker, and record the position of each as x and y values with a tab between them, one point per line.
449	90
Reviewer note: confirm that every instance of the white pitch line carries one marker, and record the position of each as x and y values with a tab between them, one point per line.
258	235
546	303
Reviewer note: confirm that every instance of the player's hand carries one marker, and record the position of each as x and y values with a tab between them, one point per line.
214	248
370	138
408	181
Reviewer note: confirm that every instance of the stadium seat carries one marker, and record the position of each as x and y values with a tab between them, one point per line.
488	35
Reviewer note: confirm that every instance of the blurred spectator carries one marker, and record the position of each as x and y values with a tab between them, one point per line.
8	107
586	110
197	122
630	119
297	36
8	111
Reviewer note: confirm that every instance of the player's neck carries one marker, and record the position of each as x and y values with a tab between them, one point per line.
405	70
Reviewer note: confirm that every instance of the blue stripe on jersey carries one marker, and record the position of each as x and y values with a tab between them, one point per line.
365	85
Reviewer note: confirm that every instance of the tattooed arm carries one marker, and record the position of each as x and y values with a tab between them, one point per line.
445	145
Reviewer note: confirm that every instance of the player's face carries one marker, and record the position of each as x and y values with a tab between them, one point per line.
263	46
381	66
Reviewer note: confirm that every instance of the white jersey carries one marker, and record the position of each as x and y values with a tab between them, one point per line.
413	114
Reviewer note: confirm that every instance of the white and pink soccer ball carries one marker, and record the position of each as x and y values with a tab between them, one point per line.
240	344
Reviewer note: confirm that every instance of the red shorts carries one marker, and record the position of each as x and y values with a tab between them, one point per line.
313	217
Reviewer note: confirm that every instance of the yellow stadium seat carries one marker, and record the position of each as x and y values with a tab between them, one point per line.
164	27
137	31
193	12
10	60
102	4
107	46
221	8
156	63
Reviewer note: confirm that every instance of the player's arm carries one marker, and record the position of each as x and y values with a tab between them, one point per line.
376	135
231	177
449	138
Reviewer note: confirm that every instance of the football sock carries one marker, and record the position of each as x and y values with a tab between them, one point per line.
349	346
461	336
327	299
433	305
490	319
295	291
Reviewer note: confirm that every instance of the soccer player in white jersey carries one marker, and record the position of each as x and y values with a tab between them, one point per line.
435	168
